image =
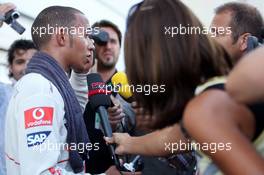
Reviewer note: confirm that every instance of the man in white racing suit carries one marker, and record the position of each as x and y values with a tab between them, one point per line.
37	128
34	116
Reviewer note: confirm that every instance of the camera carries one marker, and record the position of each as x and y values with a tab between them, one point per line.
100	37
10	19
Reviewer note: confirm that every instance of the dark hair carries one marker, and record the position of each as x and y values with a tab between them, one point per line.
245	18
180	63
106	23
21	44
54	16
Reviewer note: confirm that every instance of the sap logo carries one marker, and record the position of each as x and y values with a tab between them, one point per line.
37	138
38	116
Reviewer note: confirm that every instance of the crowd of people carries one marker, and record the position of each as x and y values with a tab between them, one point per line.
209	120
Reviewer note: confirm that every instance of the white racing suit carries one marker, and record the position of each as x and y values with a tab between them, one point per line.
35	137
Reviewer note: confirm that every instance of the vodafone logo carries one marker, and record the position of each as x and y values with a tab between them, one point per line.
38	113
38	116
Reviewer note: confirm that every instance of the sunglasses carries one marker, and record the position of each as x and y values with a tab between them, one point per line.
135	8
131	13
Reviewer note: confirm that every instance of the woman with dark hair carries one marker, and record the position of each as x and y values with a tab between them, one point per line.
194	106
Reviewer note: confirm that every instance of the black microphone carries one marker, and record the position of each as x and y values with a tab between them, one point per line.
99	98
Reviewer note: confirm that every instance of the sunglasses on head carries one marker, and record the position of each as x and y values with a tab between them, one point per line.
134	9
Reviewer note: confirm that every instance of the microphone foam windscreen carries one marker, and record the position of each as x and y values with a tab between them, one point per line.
98	94
120	80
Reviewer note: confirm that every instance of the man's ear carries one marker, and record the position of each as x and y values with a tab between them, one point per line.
243	39
61	37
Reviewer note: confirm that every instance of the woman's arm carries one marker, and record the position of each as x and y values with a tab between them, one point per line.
245	83
158	143
215	120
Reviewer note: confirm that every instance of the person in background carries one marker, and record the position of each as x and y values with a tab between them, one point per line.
232	25
19	54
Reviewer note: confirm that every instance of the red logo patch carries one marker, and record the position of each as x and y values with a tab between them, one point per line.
38	116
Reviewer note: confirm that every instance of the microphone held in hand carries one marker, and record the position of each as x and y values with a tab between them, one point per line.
120	82
97	93
100	100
